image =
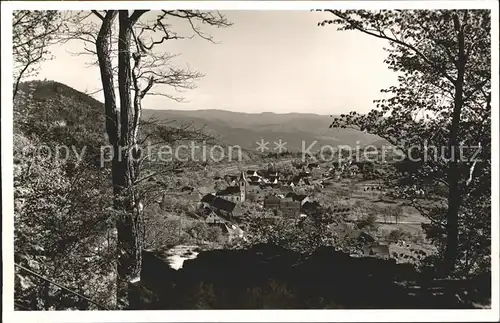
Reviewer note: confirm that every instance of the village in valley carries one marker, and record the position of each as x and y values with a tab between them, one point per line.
229	198
376	194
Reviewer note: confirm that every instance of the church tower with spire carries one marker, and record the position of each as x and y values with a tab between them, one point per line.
243	187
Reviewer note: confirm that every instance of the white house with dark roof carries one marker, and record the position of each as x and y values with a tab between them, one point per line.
230	193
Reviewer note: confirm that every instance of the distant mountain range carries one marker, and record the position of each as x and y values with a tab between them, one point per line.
246	129
59	101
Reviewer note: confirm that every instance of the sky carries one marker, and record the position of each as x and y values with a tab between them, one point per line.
267	61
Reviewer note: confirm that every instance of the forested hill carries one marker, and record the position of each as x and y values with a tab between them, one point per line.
51	112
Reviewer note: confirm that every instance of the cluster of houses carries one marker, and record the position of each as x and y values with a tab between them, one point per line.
268	178
293	205
290	205
223	204
216	209
222	207
305	174
220	212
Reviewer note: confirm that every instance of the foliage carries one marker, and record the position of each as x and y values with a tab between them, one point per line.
278	213
397	235
140	67
163	230
304	235
251	197
368	170
219	185
33	31
202	233
286	168
395	212
442	103
159	229
368	222
62	215
424	263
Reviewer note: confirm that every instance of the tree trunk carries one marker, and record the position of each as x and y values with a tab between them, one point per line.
111	113
117	128
106	70
454	197
129	249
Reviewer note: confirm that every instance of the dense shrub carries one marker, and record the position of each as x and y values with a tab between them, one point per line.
202	232
368	222
397	235
62	211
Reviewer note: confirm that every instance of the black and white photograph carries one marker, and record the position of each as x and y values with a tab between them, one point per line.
164	158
